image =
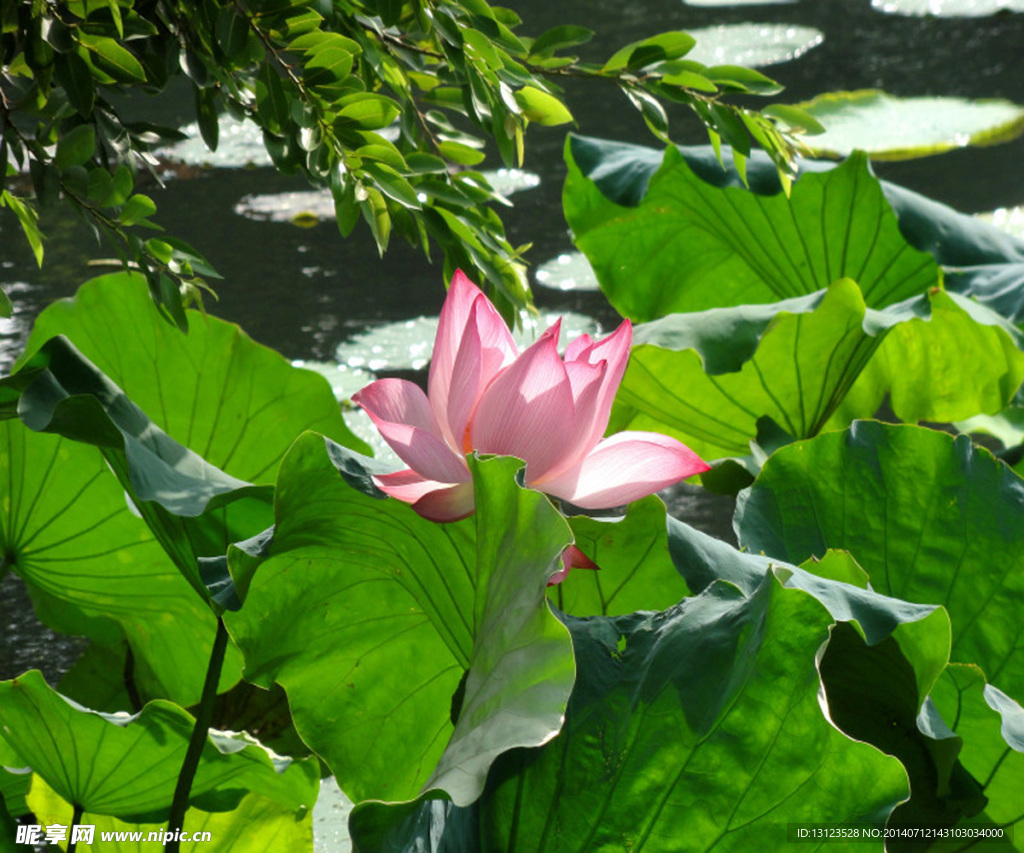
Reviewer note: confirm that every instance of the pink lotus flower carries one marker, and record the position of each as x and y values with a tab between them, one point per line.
484	395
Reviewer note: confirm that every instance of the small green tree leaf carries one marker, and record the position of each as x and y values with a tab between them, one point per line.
137	209
76	147
29	221
541	108
206	114
74	75
119	62
557	38
659	48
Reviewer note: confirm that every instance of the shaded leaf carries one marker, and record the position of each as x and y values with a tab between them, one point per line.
699	723
991	725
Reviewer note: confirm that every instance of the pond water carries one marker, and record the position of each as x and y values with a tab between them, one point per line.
295	285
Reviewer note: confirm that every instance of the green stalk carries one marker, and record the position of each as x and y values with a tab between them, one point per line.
195	745
76	818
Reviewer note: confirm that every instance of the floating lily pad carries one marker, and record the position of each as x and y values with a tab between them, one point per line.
1008	219
735	2
948	8
405	345
508	181
241	144
892	128
307	208
569	271
408	344
304	208
753	44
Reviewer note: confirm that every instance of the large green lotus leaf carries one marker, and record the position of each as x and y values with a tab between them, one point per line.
893	128
922	631
635	570
689	246
256	825
992	727
928	516
369	616
81	755
978	259
962	361
236	403
92	567
707	378
883	657
692	729
194	509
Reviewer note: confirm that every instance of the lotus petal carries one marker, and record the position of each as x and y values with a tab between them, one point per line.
433	500
402	413
527	411
625	467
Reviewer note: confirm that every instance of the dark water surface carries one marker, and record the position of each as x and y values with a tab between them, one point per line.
305	290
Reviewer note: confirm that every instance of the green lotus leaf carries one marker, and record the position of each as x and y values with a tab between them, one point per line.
234	402
192	508
922	631
930	518
370	617
991	725
978	259
873	696
665	736
257	824
81	755
93	567
961	361
883	657
893	128
698	726
708	378
687	245
635	569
